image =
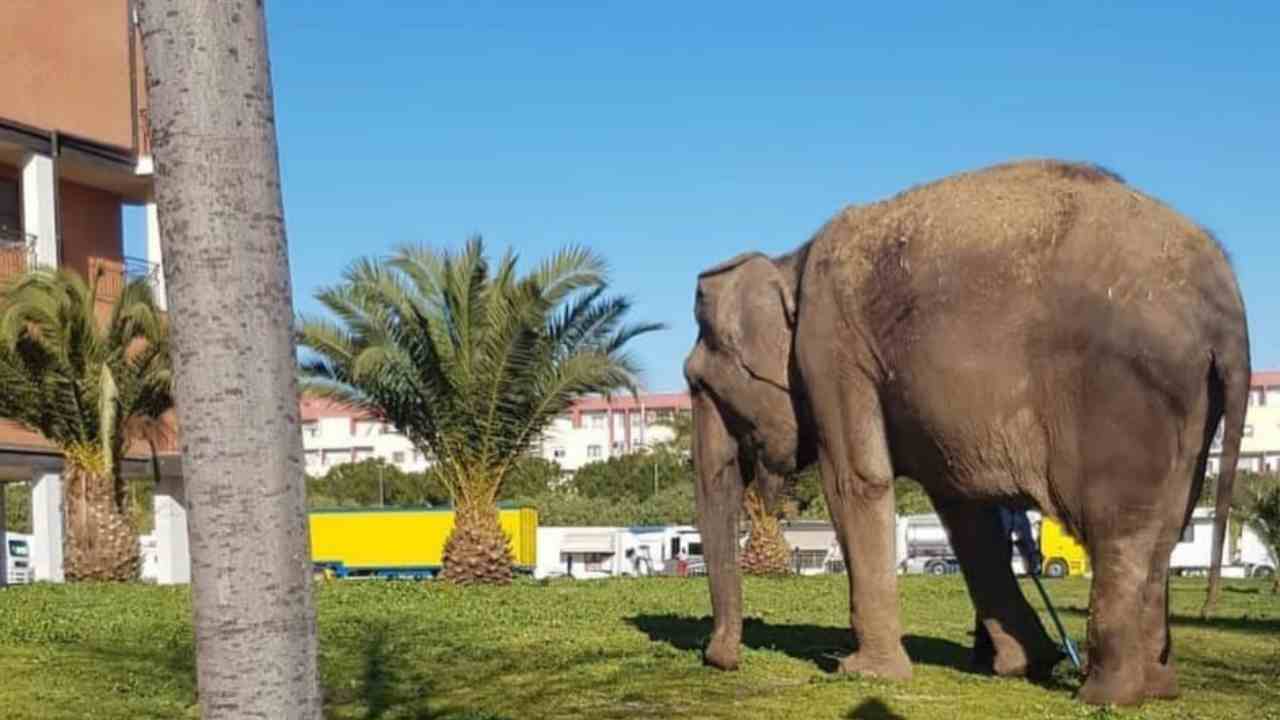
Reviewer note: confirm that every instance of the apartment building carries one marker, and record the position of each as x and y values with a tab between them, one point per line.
599	428
73	156
594	429
334	434
1260	446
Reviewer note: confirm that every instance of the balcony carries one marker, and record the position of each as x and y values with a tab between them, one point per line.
17	251
114	273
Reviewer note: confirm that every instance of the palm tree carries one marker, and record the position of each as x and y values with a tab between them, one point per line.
90	387
1260	510
472	361
766	549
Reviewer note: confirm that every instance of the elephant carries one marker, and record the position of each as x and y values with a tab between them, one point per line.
1036	334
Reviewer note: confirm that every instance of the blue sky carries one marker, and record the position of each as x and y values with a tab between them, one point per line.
670	136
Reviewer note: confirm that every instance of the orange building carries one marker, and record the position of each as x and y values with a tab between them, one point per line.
73	155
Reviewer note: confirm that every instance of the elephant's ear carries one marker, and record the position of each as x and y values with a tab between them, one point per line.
730	264
766	322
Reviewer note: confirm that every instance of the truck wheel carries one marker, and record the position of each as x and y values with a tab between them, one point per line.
936	568
1262	571
1057	568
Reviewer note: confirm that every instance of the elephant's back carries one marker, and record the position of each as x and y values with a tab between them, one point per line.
1022	233
1019	218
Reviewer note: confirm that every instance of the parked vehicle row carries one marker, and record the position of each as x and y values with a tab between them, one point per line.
924	548
409	543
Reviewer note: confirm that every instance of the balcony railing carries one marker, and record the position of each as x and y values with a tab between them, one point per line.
17	251
114	273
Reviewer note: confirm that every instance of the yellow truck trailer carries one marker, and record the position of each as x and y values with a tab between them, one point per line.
1063	555
404	542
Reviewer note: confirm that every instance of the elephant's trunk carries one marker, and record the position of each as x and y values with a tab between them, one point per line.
719	498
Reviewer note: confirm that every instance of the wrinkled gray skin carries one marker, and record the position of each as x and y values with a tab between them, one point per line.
1035	335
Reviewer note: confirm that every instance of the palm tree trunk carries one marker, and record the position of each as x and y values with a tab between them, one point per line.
766	550
477	551
227	274
100	544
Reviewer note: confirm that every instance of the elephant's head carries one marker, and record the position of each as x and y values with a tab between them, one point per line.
747	414
741	364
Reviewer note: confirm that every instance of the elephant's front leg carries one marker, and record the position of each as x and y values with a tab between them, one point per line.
858	481
719	497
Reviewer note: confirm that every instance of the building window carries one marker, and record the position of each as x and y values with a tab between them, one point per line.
589	562
597	420
397	457
10	217
594	451
617	446
558	453
311	429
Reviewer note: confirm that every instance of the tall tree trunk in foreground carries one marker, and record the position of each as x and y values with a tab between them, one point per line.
227	274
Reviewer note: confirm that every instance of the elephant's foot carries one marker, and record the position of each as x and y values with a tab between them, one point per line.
723	652
890	665
1008	658
1113	688
1036	665
1161	681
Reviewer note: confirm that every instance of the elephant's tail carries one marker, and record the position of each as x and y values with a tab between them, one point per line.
1229	380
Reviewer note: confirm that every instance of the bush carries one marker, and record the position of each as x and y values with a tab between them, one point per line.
671	506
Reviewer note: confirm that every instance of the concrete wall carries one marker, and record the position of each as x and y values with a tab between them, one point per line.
65	65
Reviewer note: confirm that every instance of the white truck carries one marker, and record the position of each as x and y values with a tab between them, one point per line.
1243	556
607	551
18	569
923	546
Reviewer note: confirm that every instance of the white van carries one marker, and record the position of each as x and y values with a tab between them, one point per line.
18	554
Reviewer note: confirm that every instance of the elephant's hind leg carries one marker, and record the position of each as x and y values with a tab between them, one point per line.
1160	676
1117	648
1009	639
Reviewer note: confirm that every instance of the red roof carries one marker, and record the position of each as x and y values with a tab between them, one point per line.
313	409
1266	378
655	401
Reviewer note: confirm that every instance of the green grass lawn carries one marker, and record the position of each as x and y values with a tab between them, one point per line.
605	649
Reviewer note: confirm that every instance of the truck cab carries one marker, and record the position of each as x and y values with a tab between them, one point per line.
1063	555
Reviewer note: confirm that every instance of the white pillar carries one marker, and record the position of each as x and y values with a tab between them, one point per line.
39	217
154	255
46	526
4	540
171	532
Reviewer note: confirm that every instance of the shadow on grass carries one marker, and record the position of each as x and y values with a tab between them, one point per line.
387	683
822	646
1266	626
873	709
391	684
